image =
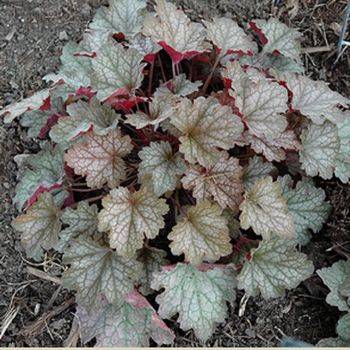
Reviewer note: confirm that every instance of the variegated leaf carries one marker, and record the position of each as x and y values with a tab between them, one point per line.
39	226
99	158
320	149
130	216
152	260
163	166
82	116
255	170
116	68
274	267
96	270
205	125
121	16
44	171
222	181
172	29
334	278
75	69
307	205
198	295
265	210
228	36
130	324
201	234
33	102
280	38
313	99
274	149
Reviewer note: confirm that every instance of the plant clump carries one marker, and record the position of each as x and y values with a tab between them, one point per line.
165	144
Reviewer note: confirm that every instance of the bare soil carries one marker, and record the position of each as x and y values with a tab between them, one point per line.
32	34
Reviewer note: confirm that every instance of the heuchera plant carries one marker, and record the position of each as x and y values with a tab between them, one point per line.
176	164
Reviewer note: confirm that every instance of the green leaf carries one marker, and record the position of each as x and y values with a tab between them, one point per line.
265	210
82	220
116	68
222	181
130	216
162	165
320	148
201	234
343	327
152	260
82	116
39	226
99	158
95	269
228	36
313	99
172	26
274	267
75	69
198	296
205	125
121	16
261	102
130	324
255	170
35	121
43	170
280	38
342	170
307	205
334	277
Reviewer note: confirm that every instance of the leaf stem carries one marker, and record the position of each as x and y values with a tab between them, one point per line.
210	76
150	80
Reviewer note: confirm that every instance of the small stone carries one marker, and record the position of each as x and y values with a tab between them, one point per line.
6	185
63	36
85	10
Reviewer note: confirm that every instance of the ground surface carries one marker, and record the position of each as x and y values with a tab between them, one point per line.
38	312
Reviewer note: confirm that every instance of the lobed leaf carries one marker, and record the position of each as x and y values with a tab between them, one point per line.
226	35
130	216
116	68
198	296
121	16
163	166
320	148
334	277
205	125
265	210
44	172
96	270
307	205
201	234
113	325
221	181
279	38
173	30
33	102
82	117
99	158
313	99
39	226
255	170
274	267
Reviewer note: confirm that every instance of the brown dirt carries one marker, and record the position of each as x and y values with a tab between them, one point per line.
30	45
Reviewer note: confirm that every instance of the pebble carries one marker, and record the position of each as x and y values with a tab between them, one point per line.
63	36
